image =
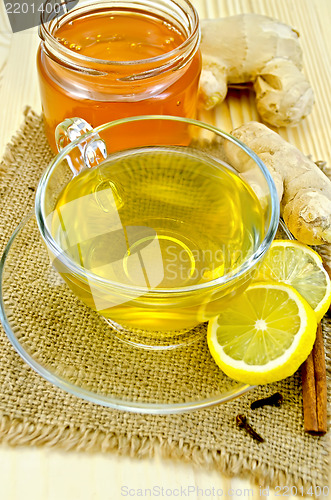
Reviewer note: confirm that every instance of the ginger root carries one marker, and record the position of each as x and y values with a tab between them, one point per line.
255	48
304	190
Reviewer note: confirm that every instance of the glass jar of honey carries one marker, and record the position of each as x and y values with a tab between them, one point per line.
104	60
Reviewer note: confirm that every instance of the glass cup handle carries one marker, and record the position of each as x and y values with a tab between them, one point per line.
89	153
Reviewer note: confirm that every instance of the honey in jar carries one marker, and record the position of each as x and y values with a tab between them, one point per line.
102	61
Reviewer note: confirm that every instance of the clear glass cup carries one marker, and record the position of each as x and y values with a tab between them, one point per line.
155	237
73	348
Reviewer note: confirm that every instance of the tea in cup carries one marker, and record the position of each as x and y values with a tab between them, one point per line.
156	238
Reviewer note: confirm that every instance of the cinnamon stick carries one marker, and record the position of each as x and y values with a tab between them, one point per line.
320	380
309	395
314	388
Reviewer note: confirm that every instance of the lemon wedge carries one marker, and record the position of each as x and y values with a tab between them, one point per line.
264	335
297	265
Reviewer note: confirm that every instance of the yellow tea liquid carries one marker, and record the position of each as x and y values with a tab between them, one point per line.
155	218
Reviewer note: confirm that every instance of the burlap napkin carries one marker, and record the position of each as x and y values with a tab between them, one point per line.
32	411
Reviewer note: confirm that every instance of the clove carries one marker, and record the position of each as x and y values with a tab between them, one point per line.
274	400
242	423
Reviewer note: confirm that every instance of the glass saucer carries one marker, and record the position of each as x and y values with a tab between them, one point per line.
75	349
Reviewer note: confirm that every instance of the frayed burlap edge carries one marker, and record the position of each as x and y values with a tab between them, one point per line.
21	432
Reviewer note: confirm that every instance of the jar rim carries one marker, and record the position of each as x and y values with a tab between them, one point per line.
47	36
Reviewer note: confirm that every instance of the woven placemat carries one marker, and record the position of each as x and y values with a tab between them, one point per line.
33	412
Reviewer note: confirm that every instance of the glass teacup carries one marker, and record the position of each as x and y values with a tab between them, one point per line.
155	237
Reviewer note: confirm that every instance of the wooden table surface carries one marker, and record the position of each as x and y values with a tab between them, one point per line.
47	474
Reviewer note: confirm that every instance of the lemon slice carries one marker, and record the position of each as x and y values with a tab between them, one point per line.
264	335
296	264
